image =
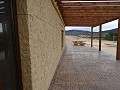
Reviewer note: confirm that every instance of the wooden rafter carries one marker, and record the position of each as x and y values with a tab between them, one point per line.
87	0
88	13
89	3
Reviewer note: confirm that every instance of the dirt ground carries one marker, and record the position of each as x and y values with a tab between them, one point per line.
107	46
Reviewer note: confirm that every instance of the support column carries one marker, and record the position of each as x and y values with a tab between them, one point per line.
100	35
91	36
118	42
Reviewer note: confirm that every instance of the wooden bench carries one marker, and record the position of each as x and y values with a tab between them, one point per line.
79	43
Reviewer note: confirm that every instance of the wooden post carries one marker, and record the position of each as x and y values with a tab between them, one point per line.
100	35
91	36
118	42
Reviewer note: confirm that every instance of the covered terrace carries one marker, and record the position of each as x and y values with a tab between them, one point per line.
86	68
91	14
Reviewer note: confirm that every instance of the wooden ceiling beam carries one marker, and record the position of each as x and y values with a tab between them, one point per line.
91	0
92	15
99	14
112	19
91	7
88	17
90	11
90	21
88	3
96	22
88	25
81	24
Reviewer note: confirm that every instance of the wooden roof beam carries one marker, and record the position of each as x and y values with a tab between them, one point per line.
89	3
105	22
90	21
91	7
92	15
90	11
84	25
88	25
91	0
88	17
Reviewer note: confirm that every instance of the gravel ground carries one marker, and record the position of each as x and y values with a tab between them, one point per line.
107	46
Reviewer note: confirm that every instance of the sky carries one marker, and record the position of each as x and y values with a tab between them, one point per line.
106	26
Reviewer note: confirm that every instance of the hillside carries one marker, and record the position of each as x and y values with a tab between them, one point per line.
77	32
88	33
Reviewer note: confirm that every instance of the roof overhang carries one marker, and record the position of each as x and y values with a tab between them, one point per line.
88	13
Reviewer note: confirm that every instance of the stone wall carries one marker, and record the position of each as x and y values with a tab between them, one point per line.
40	36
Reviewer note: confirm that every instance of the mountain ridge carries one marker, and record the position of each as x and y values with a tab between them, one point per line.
88	33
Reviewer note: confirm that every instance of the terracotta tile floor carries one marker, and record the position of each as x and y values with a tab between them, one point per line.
85	68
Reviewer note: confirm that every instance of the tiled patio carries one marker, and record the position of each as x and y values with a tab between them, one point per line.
85	68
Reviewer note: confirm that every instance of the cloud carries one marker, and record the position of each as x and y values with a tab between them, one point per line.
106	26
78	28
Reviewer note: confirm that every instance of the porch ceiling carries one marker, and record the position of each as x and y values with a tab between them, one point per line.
88	13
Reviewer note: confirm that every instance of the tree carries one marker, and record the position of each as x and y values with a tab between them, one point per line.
111	36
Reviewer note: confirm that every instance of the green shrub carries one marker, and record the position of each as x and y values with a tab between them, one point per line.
110	36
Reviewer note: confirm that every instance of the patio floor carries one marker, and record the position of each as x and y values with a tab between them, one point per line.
85	68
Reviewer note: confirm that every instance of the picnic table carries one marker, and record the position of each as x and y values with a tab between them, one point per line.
79	43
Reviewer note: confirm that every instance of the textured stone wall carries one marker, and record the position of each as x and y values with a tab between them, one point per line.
40	42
